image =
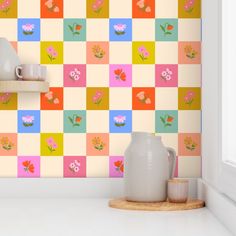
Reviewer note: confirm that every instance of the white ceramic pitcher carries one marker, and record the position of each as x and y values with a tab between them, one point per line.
148	166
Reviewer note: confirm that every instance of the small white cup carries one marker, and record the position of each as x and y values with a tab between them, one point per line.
31	72
178	190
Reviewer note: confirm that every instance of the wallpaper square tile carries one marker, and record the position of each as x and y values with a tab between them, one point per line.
114	67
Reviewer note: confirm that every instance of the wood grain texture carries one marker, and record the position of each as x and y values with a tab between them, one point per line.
155	206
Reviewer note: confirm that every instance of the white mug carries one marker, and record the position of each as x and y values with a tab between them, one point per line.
31	72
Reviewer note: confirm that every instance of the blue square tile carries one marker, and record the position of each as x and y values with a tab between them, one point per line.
120	121
28	121
28	29
120	29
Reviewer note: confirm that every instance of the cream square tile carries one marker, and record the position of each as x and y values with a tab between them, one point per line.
28	145
170	140
28	9
189	30
144	121
97	166
143	29
97	29
29	52
120	52
51	29
55	75
120	99
74	144
74	52
8	122
75	9
189	76
9	29
97	75
28	101
51	166
166	52
166	8
52	121
166	98
118	144
189	121
189	167
74	98
143	75
120	9
8	166
97	121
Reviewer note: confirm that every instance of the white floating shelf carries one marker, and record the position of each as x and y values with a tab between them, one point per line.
15	86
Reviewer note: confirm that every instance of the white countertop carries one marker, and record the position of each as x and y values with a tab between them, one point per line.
93	217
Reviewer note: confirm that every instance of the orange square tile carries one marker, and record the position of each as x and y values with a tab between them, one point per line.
143	8
8	144
97	52
51	8
143	98
53	100
189	53
97	144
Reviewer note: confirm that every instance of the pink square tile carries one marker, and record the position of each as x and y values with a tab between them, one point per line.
29	166
166	75
74	166
120	75
75	75
116	166
189	144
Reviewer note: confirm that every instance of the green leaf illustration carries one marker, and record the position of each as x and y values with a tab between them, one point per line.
162	28
71	120
71	28
162	120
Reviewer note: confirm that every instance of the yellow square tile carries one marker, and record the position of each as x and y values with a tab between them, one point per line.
120	53
166	98
9	29
74	144
97	166
8	122
189	75
143	29
166	8
52	121
28	101
189	30
118	144
143	75
74	98
143	121
120	99
166	52
169	140
74	52
8	166
97	75
97	29
51	29
189	167
75	9
189	121
28	144
28	9
120	9
55	75
51	167
25	50
97	121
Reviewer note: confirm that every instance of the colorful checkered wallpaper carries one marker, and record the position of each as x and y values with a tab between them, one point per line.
114	67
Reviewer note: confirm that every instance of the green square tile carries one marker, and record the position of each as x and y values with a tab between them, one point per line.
74	30
75	121
166	29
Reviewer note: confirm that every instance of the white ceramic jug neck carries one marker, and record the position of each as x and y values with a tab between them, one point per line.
142	136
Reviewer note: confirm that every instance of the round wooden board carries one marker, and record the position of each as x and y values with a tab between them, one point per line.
155	206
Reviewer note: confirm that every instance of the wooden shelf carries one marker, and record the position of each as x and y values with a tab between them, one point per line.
15	86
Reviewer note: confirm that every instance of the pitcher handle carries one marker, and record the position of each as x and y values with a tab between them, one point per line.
172	160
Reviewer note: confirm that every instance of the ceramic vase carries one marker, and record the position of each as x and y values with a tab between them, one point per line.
8	60
148	166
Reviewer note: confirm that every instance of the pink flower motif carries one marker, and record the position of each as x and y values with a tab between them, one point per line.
56	9
141	95
148	101
49	95
54	145
54	54
146	54
49	3
50	141
56	101
50	50
190	94
148	9
141	49
186	98
140	4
